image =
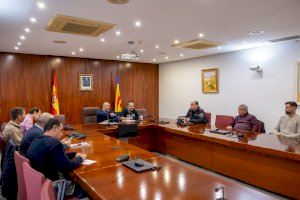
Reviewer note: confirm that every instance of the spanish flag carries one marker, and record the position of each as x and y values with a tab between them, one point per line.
118	101
55	104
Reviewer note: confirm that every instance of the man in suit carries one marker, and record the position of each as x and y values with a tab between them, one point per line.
12	129
130	113
106	114
195	115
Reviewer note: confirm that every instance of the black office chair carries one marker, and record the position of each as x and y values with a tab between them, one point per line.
124	131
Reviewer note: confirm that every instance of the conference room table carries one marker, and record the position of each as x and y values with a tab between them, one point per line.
267	161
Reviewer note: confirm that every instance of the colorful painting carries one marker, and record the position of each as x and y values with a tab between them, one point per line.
210	80
85	82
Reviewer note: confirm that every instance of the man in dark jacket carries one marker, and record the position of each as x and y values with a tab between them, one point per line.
47	154
130	113
195	115
106	114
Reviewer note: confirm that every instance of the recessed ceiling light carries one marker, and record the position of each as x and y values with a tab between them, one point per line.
256	32
176	41
118	57
41	5
138	23
219	47
201	35
16	48
166	57
73	53
19	43
244	43
81	49
157	46
118	32
27	30
142	51
181	55
32	19
154	59
22	37
102	39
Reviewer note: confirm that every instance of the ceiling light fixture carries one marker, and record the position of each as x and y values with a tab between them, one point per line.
118	32
157	46
27	30
102	39
41	5
181	55
166	57
219	47
256	32
16	48
19	43
118	57
22	37
142	51
131	55
138	23
81	49
154	60
201	35
73	53
32	19
176	42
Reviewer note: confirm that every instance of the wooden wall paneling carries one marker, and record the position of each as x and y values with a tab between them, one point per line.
151	89
125	74
138	85
12	90
95	97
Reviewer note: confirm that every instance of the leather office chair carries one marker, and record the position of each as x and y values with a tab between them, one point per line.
261	127
208	117
142	112
223	121
19	160
48	191
89	115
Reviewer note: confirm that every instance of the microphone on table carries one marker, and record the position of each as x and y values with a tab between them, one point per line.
220	188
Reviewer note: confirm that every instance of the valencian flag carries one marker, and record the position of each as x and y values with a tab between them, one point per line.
118	101
54	101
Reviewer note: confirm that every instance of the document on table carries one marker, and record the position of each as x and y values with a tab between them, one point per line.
88	162
80	144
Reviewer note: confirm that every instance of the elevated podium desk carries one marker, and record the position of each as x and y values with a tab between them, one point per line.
266	161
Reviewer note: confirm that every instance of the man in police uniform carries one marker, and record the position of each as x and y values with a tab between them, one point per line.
195	114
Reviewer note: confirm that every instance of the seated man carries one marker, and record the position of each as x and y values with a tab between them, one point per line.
47	154
244	121
35	131
289	124
106	114
32	116
195	115
130	113
12	129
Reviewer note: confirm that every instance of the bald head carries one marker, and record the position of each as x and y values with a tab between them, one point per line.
106	106
43	119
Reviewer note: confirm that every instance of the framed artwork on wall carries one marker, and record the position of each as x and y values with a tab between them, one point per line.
210	80
85	82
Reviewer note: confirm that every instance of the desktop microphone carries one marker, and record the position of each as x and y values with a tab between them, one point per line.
217	189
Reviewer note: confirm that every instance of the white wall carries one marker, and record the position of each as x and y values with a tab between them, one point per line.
180	82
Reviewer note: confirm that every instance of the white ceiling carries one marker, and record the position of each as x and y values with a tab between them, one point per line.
163	21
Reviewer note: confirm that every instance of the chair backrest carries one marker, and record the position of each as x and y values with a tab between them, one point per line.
61	118
19	160
89	115
142	112
223	120
3	144
208	117
47	192
33	182
2	127
261	127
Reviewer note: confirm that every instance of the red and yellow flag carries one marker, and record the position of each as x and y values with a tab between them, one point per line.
118	101
55	104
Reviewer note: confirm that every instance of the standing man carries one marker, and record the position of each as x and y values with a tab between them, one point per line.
12	129
106	114
195	115
289	124
130	113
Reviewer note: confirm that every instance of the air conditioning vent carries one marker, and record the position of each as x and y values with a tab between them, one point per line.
79	26
198	44
296	37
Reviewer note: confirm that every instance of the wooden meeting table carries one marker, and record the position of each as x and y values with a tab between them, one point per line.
267	161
